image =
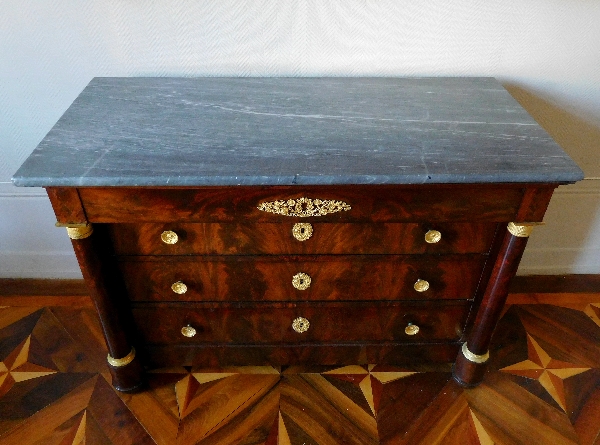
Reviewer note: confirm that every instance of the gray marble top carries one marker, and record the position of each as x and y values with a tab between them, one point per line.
247	131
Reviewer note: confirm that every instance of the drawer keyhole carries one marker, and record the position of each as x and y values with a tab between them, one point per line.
301	281
300	325
302	231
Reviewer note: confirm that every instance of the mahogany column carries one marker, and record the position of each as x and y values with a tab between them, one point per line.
470	363
104	287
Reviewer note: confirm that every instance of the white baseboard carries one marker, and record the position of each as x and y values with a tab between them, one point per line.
58	265
559	261
30	245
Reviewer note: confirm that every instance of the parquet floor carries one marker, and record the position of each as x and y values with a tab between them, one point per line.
543	387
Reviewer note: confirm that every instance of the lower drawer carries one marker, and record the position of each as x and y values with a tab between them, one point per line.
300	322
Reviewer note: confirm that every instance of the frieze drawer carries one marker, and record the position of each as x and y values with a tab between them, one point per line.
372	203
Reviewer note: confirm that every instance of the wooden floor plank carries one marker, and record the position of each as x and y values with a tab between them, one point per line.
215	404
512	415
311	410
565	299
31	287
43	423
156	407
116	421
47	300
556	284
252	426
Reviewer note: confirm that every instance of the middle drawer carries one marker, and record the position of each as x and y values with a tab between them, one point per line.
298	278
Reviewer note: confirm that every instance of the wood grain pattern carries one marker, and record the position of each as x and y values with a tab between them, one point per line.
248	278
542	387
334	322
277	239
535	202
67	205
370	203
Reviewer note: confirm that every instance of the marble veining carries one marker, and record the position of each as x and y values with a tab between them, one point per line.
270	131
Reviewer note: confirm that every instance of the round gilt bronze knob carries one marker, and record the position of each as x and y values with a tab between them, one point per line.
179	288
421	285
188	331
411	329
433	236
169	237
301	281
302	231
300	325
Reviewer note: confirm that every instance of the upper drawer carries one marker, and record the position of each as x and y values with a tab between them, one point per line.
350	203
300	238
272	278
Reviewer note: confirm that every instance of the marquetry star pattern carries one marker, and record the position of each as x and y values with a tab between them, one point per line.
76	435
283	438
482	435
370	379
549	372
16	367
593	311
194	388
209	399
187	390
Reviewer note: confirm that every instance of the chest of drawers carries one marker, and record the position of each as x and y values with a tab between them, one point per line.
288	221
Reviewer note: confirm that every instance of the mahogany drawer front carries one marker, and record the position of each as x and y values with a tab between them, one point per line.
271	278
279	238
360	203
328	322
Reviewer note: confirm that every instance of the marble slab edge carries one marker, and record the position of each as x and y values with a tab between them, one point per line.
184	181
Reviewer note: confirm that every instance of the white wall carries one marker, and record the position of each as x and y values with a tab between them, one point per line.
546	52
